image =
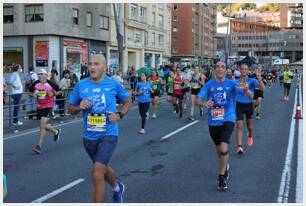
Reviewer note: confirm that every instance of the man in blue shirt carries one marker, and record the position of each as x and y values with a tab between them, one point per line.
221	94
244	104
96	96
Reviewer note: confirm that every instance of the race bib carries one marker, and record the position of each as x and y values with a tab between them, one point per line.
41	94
154	86
217	113
177	86
96	122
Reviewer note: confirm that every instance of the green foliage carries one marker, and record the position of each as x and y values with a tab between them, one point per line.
269	7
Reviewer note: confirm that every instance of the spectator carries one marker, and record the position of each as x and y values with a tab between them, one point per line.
29	79
5	92
17	90
118	77
84	71
73	78
133	79
64	86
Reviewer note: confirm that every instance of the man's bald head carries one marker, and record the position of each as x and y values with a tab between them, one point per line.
97	66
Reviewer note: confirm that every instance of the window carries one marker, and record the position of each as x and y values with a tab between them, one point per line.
192	30
153	18
175	18
175	29
75	16
175	7
130	35
160	39
8	14
161	21
89	19
34	13
134	12
138	36
104	22
143	14
146	37
153	39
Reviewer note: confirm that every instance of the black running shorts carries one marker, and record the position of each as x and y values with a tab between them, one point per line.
221	133
46	112
195	91
244	109
287	86
258	93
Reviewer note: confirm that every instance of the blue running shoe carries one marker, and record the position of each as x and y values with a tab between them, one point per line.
118	196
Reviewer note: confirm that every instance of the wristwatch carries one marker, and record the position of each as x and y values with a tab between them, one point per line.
120	114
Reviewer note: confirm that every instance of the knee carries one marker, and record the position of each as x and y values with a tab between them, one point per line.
98	175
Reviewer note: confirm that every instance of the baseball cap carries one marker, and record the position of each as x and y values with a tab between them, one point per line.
42	71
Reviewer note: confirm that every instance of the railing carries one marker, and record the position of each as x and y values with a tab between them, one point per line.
24	112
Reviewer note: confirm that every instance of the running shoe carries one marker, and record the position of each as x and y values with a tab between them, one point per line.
147	116
240	150
19	123
142	131
226	174
174	111
257	116
191	118
57	135
222	185
154	116
250	141
118	196
37	149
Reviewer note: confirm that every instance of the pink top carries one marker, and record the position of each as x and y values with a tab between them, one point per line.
42	90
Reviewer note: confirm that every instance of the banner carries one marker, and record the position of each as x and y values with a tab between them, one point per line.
41	53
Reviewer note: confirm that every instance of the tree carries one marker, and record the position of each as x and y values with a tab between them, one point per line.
119	30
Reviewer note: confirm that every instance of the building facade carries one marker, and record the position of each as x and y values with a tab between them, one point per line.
291	16
287	44
193	30
147	41
54	35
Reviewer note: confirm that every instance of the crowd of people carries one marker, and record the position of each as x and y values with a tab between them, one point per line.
229	96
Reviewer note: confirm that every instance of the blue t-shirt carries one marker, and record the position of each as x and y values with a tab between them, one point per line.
223	95
241	96
144	88
102	96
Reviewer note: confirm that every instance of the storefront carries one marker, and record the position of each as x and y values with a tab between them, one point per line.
97	47
75	53
12	55
148	60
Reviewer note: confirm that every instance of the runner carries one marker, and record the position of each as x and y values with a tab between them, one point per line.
96	96
143	90
197	81
178	95
244	104
43	91
288	76
258	94
221	94
169	87
156	85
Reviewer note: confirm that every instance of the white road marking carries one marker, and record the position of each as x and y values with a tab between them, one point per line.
58	125
299	173
58	191
178	130
284	187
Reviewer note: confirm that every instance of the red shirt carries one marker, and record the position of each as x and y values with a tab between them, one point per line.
177	82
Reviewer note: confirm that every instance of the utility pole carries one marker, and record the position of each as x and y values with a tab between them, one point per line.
118	13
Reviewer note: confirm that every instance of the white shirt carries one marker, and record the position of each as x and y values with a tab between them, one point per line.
16	83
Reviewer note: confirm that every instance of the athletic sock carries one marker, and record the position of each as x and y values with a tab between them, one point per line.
116	188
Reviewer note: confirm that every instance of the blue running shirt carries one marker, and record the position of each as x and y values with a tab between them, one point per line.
241	96
223	95
102	96
144	88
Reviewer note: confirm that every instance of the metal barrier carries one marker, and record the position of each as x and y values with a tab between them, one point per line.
8	115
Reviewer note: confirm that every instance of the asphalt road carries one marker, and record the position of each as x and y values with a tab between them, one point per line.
181	168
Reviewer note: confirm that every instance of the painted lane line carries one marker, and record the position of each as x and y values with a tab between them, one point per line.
57	125
286	175
178	130
37	130
58	191
299	172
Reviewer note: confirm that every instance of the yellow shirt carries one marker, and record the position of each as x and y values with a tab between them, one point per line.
288	75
